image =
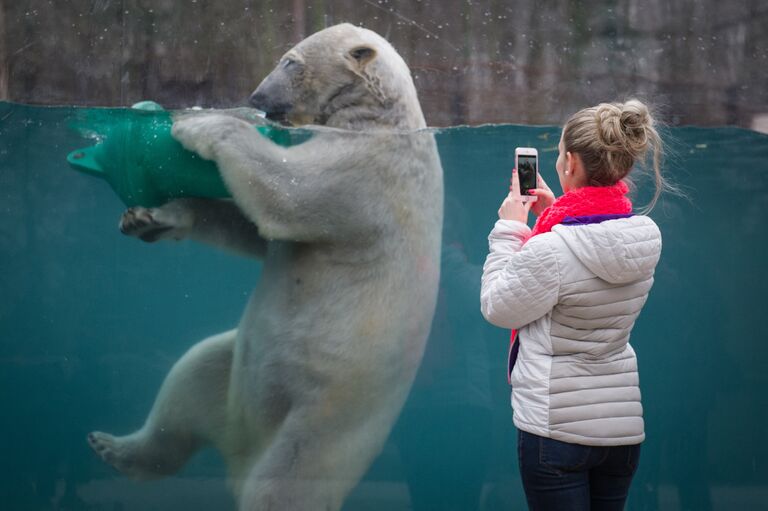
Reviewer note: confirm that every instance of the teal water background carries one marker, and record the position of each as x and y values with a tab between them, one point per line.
91	321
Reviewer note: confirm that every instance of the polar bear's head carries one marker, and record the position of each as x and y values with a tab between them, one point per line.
344	76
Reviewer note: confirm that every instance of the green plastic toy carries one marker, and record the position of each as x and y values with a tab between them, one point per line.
145	165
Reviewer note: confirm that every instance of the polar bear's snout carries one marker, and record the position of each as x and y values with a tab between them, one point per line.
274	95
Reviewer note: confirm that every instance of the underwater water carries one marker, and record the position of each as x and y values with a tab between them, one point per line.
91	321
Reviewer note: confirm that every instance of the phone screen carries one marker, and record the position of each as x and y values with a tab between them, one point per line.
527	166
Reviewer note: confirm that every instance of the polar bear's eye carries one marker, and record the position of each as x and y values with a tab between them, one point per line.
288	62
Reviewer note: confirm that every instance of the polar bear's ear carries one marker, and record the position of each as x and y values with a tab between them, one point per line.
362	55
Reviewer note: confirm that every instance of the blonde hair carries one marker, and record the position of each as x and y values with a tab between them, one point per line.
610	138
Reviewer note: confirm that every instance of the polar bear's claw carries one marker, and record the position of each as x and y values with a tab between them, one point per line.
141	223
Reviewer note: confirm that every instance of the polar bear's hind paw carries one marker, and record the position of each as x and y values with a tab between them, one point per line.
114	451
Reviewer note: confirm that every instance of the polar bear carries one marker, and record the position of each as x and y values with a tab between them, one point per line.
300	398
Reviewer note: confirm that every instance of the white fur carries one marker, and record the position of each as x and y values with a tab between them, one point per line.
301	397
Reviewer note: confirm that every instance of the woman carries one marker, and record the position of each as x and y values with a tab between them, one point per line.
573	287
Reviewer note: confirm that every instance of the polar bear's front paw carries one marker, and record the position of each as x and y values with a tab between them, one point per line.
140	223
202	133
151	224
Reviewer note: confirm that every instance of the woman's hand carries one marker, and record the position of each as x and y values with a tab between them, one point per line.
513	208
544	196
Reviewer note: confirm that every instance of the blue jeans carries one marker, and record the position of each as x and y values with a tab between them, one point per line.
558	476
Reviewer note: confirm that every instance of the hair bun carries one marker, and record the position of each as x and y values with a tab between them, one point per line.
624	126
635	115
609	129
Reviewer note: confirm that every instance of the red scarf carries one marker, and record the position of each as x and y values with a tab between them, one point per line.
585	201
589	200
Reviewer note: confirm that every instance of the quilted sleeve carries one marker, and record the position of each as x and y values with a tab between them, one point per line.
521	280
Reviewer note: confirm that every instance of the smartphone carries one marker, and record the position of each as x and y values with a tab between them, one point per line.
527	165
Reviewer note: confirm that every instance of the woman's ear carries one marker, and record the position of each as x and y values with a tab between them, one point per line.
575	167
568	163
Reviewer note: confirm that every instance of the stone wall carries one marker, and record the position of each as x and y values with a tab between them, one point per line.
701	62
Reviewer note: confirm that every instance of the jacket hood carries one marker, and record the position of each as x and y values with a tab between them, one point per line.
618	251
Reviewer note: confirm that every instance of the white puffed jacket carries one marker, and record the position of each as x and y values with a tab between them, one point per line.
574	295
